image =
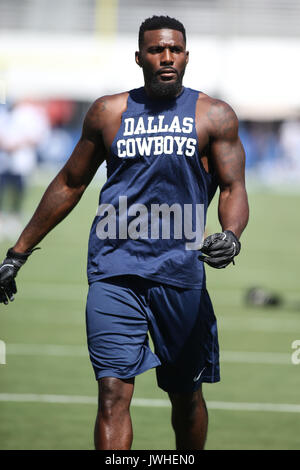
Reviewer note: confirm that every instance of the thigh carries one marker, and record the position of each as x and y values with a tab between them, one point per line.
117	330
184	332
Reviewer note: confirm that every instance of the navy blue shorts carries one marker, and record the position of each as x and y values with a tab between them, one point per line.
122	310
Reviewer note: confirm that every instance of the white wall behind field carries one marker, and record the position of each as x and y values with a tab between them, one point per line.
258	76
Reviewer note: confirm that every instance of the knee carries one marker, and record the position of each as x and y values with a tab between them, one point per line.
114	397
186	408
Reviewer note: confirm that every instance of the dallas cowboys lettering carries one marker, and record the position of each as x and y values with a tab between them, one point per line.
165	144
152	208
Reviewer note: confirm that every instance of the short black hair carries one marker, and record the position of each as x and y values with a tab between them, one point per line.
160	22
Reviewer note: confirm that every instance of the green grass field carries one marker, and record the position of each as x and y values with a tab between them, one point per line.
44	331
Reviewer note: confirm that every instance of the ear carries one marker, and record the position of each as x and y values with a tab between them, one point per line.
187	56
137	58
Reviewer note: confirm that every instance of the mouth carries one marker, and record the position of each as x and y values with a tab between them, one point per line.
167	74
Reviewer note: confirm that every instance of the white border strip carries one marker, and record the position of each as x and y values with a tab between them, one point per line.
145	402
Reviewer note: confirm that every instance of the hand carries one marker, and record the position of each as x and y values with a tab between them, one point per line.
220	248
8	271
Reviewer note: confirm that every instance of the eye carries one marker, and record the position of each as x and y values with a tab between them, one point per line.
176	49
156	50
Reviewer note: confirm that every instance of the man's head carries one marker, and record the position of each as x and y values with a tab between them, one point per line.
162	55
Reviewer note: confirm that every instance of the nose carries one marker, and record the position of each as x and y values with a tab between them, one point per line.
166	57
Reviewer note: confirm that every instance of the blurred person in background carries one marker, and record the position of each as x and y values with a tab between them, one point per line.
22	129
63	134
289	138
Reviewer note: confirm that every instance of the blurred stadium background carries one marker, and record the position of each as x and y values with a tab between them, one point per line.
55	59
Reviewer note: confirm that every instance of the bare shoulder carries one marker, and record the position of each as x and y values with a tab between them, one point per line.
221	120
106	108
105	113
111	102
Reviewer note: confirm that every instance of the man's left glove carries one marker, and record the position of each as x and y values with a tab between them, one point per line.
8	271
220	249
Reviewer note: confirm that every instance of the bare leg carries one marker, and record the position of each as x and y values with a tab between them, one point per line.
189	420
113	428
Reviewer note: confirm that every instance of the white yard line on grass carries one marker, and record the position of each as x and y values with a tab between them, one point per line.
255	357
82	351
46	350
145	402
267	325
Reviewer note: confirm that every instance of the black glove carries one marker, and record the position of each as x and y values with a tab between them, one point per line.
8	271
220	248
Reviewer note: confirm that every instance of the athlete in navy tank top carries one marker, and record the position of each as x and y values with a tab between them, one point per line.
167	149
152	208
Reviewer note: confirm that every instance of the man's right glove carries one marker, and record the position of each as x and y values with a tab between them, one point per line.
8	271
220	248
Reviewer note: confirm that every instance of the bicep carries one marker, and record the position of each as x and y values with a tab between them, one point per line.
88	154
226	149
229	161
83	163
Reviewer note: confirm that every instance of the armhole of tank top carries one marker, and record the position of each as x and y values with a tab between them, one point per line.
209	173
122	117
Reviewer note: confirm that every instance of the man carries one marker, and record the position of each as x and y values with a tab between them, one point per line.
167	149
22	130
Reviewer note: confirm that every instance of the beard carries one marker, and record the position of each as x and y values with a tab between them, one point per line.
164	89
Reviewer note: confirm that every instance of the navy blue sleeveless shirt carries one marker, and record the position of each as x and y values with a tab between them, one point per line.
152	208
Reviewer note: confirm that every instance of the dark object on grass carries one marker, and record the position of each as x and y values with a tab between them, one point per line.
258	296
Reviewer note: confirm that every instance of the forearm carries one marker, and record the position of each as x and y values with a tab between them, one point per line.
57	202
233	209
